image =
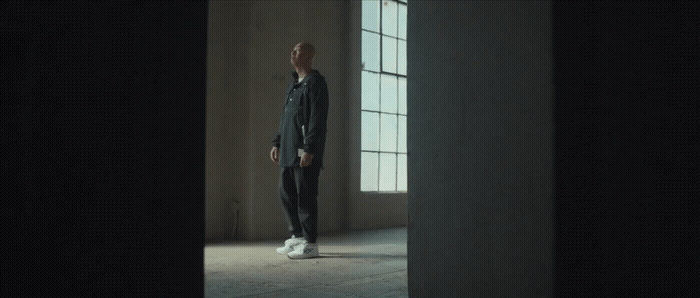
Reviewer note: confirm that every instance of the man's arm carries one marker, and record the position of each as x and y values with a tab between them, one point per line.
318	101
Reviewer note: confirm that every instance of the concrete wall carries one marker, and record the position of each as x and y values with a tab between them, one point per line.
480	148
227	127
249	69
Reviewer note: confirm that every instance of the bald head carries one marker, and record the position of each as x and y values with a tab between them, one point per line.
303	54
308	48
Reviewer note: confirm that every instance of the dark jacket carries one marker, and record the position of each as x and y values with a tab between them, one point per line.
305	105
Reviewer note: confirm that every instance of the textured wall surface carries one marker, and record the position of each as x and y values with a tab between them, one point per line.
228	130
480	143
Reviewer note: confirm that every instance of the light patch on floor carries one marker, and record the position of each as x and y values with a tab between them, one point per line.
353	264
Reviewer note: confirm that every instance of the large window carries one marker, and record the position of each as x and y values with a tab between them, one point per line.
383	96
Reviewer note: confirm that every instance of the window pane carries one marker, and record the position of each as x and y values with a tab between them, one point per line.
389	12
370	171
370	51
389	54
402	21
401	58
389	93
402	96
370	131
402	134
370	15
387	171
401	177
387	133
370	91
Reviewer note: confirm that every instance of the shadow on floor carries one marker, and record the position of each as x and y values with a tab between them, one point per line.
359	255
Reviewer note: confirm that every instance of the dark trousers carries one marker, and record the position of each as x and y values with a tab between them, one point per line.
298	190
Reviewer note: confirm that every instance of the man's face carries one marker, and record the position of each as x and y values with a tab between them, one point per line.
298	56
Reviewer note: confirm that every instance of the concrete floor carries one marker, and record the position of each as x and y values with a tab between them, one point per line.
352	264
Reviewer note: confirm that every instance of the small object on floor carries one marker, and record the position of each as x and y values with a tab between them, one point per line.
289	244
304	251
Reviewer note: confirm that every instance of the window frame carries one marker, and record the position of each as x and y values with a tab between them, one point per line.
382	72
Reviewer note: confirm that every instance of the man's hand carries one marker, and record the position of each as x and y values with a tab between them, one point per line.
306	159
275	154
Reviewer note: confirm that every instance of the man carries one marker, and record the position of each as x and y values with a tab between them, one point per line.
298	149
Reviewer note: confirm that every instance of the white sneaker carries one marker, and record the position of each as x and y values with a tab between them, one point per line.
304	251
289	244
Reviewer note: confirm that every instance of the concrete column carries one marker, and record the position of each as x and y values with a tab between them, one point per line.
480	148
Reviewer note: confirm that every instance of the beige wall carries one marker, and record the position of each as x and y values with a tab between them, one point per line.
248	69
227	131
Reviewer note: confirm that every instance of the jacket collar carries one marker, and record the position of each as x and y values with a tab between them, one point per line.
295	75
